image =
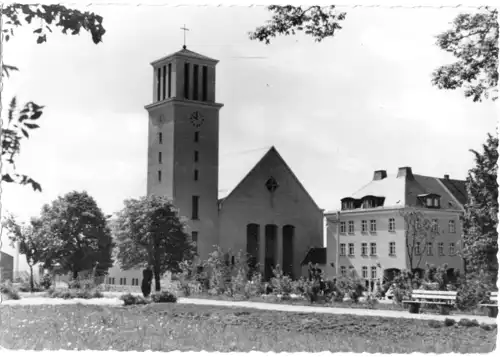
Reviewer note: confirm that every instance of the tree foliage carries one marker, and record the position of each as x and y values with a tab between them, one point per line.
29	241
316	21
45	18
150	232
473	40
75	234
480	220
419	230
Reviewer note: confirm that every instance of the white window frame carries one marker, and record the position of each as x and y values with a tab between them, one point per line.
364	226
342	270
441	249
350	227
342	227
435	225
373	271
342	249
364	249
373	245
392	249
392	225
364	272
373	224
418	248
451	226
429	245
452	248
351	248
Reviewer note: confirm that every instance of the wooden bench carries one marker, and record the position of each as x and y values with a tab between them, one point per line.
445	299
492	305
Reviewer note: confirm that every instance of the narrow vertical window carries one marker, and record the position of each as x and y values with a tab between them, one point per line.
196	156
194	236
196	136
186	80
373	248
342	249
205	83
374	272
196	175
392	249
159	175
195	207
195	81
160	138
159	157
164	84
351	227
169	80
342	227
158	84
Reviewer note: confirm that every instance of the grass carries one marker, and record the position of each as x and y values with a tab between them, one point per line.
169	327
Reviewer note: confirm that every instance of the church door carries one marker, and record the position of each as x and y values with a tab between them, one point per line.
271	240
288	238
253	238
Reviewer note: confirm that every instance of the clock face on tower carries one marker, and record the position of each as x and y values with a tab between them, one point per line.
196	119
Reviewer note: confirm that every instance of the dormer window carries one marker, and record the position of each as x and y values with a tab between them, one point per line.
347	204
373	201
431	200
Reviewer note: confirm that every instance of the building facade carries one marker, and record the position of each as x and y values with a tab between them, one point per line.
6	267
371	238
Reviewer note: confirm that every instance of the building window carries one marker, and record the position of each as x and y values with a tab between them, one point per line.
204	79
164	80
186	80
158	83
392	225
373	226
429	248
272	184
196	175
392	249
196	201
352	271
160	138
441	248
342	270
373	248
351	249
452	248
195	82
159	157
342	249
435	226
169	80
159	175
123	281
196	156
418	248
342	227
451	226
351	227
364	249
196	136
364	226
436	202
374	272
111	281
364	272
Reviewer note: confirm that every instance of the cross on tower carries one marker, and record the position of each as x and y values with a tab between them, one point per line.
184	29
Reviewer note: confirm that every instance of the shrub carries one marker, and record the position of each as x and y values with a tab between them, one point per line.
435	324
351	286
75	294
164	296
468	323
473	290
371	301
129	299
239	282
46	281
280	283
402	287
254	286
487	327
9	291
449	322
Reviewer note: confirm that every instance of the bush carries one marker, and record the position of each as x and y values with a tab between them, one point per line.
449	322
129	299
164	296
488	327
280	283
435	324
371	301
351	286
473	290
9	291
402	286
75	294
468	323
254	286
46	281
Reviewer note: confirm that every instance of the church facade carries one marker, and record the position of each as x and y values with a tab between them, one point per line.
267	214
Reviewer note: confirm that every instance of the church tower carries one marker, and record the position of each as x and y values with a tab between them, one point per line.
183	142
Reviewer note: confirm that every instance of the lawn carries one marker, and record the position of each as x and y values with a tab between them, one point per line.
168	327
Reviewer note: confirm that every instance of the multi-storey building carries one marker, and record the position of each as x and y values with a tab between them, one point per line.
367	237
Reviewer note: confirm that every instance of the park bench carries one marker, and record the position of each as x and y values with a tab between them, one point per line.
492	305
445	299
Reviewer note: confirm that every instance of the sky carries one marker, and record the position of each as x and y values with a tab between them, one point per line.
336	110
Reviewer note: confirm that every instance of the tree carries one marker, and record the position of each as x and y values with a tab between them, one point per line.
75	234
473	40
28	239
150	232
419	230
480	220
20	123
316	21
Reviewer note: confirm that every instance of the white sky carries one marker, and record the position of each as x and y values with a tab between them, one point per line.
336	111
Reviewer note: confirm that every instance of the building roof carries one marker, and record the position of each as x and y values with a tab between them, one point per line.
186	53
405	191
315	256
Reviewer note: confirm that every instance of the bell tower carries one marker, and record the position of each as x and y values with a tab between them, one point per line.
183	142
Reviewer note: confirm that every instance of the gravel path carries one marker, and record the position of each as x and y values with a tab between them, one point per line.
112	299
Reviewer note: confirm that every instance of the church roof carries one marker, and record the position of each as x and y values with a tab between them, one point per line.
186	53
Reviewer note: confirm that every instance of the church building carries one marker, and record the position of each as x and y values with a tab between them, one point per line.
267	214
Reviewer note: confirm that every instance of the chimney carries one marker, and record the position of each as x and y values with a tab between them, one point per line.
379	175
446	177
405	172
